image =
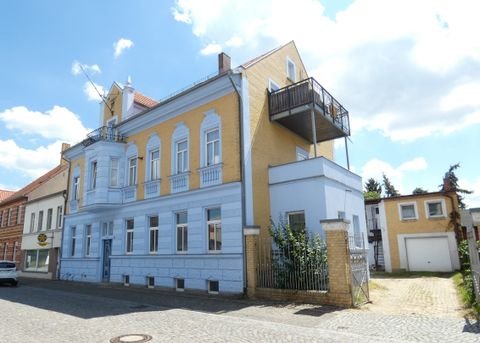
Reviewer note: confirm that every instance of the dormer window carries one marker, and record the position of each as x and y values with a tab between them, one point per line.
291	70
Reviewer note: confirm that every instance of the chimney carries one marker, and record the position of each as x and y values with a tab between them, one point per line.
65	146
127	99
224	63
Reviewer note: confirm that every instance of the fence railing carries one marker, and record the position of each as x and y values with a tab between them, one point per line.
103	133
291	267
474	261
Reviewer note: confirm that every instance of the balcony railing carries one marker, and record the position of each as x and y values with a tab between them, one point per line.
179	182
130	193
211	175
303	97
105	134
151	188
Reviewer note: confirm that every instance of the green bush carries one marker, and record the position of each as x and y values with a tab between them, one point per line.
468	293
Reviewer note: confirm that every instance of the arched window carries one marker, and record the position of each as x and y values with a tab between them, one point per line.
132	165
210	140
180	149
153	153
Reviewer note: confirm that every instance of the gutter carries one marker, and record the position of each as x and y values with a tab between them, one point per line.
242	172
65	196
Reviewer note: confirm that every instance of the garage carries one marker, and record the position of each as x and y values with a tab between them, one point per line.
428	254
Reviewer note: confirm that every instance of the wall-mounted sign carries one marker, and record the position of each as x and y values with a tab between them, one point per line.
42	239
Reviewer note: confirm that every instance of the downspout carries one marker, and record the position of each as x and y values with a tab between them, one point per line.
242	173
65	197
454	214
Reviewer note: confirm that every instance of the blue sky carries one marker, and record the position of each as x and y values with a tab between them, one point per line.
408	72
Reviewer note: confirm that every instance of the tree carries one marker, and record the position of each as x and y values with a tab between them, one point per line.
450	183
419	190
390	190
373	185
371	195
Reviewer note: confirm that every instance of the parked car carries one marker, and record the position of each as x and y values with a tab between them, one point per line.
8	273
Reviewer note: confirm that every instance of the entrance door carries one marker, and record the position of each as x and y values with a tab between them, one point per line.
107	251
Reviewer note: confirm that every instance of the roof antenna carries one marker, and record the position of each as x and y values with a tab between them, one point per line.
95	87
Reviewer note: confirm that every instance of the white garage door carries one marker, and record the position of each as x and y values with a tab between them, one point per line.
428	254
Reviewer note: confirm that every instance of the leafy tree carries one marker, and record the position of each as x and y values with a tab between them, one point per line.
450	183
371	195
300	261
390	190
419	190
373	185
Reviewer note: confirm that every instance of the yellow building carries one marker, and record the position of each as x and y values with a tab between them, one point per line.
416	232
162	192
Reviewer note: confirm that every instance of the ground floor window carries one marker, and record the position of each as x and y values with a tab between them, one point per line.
36	260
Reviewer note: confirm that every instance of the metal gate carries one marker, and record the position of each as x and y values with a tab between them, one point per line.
474	260
359	267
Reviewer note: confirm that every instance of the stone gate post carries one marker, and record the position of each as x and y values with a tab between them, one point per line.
251	255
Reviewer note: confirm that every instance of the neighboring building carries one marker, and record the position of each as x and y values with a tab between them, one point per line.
42	227
470	218
160	194
4	194
416	232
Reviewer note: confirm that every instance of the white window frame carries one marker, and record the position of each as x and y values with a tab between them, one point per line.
93	175
287	63
107	228
155	230
301	154
214	222
32	222
40	221
49	219
296	213
132	170
184	156
114	172
183	227
129	236
154	167
76	188
402	204
19	214
88	240
271	85
73	240
215	143
9	218
434	201
59	217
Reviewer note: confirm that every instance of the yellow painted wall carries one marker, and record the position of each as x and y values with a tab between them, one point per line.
227	109
114	100
423	224
80	162
272	144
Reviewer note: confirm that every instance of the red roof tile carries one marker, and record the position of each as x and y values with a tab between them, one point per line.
144	100
5	194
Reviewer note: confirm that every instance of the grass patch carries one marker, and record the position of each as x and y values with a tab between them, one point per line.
408	275
375	286
465	296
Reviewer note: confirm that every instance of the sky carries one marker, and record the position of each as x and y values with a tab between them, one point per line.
407	71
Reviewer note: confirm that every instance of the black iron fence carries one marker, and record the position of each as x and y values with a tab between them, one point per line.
104	133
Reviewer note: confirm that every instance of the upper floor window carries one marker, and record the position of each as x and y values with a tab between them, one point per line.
4	218
291	70
59	216
182	231
273	86
107	228
155	164
9	218
296	220
132	171
435	208
129	236
212	147
32	222
40	221
19	214
182	156
76	188
214	224
93	175
408	211
49	218
114	172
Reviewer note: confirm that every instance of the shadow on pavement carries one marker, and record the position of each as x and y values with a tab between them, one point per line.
471	326
87	300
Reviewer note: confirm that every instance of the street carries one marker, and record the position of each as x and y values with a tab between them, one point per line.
57	311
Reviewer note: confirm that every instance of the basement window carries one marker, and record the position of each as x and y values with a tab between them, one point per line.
126	280
213	287
150	281
180	285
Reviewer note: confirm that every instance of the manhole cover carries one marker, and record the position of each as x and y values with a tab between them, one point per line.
131	338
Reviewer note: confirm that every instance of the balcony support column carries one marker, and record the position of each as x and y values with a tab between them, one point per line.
314	131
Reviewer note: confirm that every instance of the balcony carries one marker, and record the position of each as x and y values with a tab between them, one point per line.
151	188
129	193
103	134
179	182
211	175
307	109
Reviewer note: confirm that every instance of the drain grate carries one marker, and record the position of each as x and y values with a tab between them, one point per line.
131	338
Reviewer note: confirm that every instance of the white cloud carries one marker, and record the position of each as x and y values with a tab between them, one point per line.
121	45
93	69
471	200
375	168
57	123
91	92
211	49
31	162
403	67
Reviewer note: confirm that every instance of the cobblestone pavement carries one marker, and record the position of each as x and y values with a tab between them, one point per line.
47	311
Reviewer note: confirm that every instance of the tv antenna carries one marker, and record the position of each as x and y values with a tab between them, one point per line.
96	89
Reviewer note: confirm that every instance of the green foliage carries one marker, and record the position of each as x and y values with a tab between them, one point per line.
301	259
467	290
373	185
419	190
450	183
390	190
371	195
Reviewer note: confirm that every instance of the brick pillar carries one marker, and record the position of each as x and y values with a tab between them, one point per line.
251	255
338	254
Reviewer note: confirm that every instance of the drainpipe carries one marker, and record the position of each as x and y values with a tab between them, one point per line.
242	172
454	211
65	197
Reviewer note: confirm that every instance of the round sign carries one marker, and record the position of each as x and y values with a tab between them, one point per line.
42	239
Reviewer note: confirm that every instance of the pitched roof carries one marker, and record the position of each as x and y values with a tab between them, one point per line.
5	194
36	183
261	57
144	100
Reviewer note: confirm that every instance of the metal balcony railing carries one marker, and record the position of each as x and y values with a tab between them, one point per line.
105	134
